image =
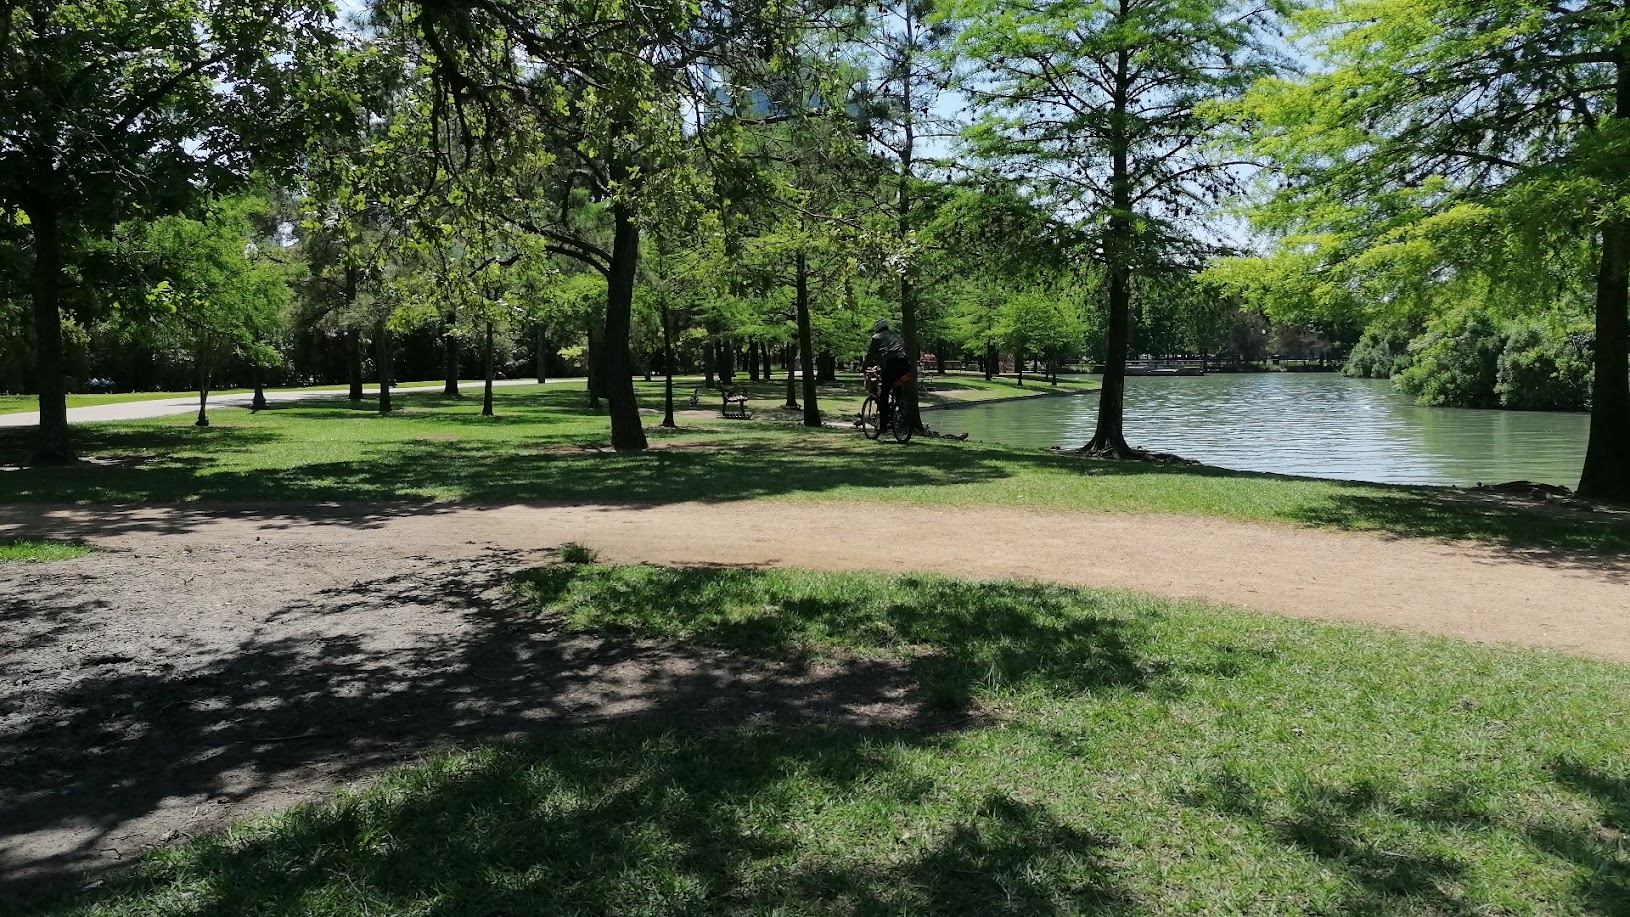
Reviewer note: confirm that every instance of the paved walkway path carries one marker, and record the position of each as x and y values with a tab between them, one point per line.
165	407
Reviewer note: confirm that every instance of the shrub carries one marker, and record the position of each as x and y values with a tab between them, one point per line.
574	553
1380	354
1456	362
1545	368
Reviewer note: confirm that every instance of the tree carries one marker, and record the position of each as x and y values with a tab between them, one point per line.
626	96
681	274
985	243
1510	113
810	236
109	110
903	51
1099	105
216	295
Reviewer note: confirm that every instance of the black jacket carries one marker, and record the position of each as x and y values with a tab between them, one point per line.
885	344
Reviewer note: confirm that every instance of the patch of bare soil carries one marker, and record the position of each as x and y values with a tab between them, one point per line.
219	661
158	692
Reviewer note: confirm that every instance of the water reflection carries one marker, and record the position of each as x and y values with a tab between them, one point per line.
1309	424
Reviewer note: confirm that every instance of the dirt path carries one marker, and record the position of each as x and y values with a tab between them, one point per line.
215	662
1458	590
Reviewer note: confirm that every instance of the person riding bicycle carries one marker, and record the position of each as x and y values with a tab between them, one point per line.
888	353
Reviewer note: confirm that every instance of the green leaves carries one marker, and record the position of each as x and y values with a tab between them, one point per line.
116	108
1441	151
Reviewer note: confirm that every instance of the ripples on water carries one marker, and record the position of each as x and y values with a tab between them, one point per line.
1316	424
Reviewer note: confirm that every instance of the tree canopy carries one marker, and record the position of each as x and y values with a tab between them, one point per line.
1438	187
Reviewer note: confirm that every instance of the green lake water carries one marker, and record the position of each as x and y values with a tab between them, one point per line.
1315	424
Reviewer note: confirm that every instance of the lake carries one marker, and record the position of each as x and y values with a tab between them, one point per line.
1318	424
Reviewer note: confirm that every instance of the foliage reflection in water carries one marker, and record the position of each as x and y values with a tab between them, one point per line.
1315	424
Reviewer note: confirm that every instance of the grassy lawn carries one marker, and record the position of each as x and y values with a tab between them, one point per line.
14	550
544	445
843	398
1096	753
13	404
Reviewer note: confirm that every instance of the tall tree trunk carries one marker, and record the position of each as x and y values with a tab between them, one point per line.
353	360
990	359
792	384
592	358
908	152
486	393
939	358
203	381
667	369
1109	438
541	346
54	444
710	360
258	402
1606	474
353	336
450	367
908	294
786	358
752	361
1018	364
627	433
806	342
382	367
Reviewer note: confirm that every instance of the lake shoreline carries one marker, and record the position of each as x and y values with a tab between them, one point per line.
951	405
1316	424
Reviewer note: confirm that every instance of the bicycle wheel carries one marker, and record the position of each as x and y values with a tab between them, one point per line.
900	424
868	418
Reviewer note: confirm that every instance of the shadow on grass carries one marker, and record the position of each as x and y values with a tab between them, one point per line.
1359	833
626	820
1602	853
960	637
144	742
1560	535
1402	852
651	776
492	471
436	447
1543	533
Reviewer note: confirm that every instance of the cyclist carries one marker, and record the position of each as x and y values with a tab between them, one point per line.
888	353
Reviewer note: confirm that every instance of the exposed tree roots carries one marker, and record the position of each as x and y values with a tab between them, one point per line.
1527	489
1121	452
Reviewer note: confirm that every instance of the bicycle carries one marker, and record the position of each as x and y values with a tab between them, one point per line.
899	421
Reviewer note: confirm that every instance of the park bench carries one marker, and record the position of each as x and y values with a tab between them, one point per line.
735	405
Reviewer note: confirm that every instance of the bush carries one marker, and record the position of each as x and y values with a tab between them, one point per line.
574	553
1456	362
1380	354
1546	368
